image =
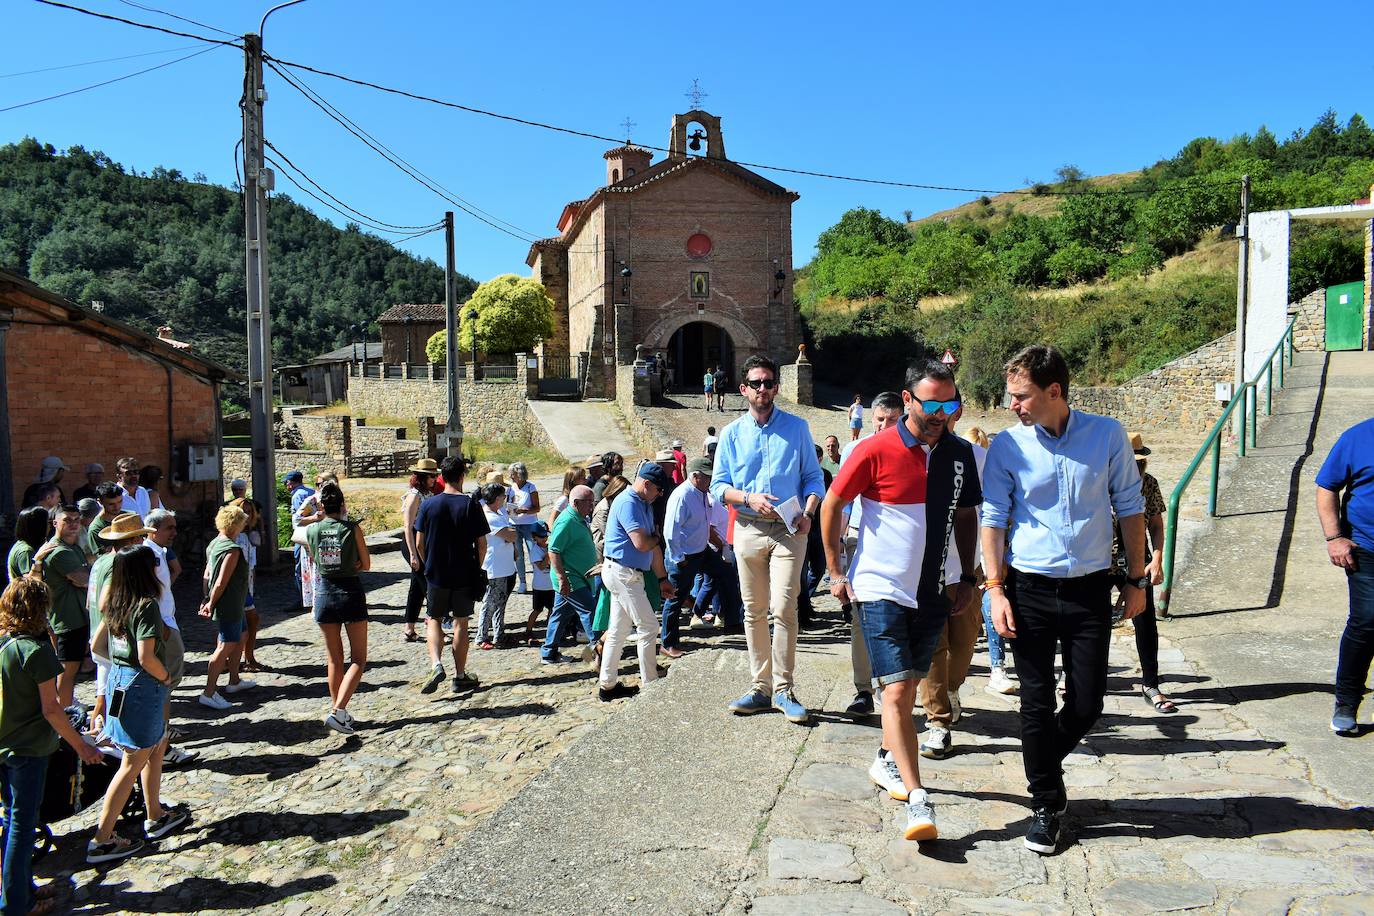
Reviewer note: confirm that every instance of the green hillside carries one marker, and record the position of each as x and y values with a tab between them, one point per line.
159	248
1123	272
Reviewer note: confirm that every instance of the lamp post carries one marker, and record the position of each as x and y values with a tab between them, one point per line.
471	316
408	320
625	275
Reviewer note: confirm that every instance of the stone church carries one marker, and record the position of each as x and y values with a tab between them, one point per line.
690	257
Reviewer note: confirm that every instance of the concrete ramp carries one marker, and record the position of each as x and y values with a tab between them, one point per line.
582	428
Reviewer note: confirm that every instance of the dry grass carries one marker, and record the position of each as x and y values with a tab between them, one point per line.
1000	206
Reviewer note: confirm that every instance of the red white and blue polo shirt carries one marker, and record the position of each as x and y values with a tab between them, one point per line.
908	492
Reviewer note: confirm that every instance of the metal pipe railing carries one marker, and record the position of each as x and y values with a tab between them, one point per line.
1247	398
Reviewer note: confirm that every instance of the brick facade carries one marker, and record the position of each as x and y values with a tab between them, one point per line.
643	221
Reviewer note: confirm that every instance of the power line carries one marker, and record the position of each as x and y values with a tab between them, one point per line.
106	60
319	100
756	165
117	79
141	25
346	214
203	25
380	222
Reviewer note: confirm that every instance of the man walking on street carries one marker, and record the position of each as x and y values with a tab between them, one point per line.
688	549
1049	488
572	561
1349	470
918	485
720	380
767	459
450	541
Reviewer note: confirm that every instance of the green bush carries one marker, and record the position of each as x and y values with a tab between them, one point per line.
1075	263
1323	257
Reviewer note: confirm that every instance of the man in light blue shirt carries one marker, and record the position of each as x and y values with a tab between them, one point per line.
763	459
295	485
1049	488
688	552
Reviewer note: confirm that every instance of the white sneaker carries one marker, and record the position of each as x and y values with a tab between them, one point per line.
956	709
936	743
334	721
345	715
244	684
885	775
920	817
999	683
214	701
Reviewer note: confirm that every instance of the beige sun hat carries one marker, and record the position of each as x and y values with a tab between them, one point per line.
425	466
126	525
495	477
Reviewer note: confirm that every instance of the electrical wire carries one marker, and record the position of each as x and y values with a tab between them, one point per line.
141	25
1026	192
106	60
347	213
203	25
62	95
320	101
316	185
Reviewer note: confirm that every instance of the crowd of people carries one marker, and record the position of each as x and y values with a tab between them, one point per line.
1038	539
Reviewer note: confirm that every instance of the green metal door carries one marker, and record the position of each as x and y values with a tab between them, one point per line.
1345	316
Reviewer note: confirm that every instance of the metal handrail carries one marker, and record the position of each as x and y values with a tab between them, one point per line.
1248	399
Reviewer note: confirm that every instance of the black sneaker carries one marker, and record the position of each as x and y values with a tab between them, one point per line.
616	692
1043	835
862	705
436	677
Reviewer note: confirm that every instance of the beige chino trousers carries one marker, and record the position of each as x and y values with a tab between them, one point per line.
770	565
949	665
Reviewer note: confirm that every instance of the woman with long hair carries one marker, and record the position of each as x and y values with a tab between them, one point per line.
29	727
226	588
148	478
30	531
339	550
132	635
422	477
574	476
249	539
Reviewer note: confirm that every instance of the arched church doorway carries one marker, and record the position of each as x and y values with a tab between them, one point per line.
695	346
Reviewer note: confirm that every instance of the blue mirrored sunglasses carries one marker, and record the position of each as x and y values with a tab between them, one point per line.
936	406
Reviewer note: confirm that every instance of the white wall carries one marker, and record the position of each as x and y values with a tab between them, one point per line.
1268	312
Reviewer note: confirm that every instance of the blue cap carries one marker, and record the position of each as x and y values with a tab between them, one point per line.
655	475
293	475
541	530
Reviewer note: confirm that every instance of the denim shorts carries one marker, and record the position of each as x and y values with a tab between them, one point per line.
140	722
901	641
340	601
230	630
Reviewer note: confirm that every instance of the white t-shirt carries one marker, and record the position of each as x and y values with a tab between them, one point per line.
136	502
707	443
166	604
541	581
856	412
524	499
500	559
250	553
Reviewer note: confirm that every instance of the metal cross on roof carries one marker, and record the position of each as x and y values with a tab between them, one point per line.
629	126
696	93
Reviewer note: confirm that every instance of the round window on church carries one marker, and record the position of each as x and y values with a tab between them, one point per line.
699	245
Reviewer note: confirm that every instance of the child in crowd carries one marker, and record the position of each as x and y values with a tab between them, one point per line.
542	582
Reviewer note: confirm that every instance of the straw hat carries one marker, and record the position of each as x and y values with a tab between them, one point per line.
126	525
495	477
1138	444
425	466
665	454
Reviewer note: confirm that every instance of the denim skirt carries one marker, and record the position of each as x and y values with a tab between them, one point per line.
342	600
140	722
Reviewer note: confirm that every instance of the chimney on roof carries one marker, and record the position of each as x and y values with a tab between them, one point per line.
625	162
165	332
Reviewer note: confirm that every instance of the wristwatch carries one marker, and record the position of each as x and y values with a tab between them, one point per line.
968	579
1142	583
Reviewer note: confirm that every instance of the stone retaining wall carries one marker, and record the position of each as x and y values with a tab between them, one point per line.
496	410
1309	332
1180	395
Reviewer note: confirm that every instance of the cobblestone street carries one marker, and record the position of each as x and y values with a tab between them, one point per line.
290	817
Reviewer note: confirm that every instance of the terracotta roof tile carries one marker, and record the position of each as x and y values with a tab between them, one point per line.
418	311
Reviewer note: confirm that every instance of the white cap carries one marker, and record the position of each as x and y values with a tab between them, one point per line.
238	483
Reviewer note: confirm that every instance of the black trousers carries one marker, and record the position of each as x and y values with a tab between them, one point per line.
1147	641
415	597
1075	616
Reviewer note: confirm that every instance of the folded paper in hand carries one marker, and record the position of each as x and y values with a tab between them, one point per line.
790	511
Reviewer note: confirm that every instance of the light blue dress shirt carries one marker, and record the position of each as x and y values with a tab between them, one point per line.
687	522
1055	496
777	457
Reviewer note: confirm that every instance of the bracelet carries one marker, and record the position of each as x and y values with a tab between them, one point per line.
839	580
992	583
1335	537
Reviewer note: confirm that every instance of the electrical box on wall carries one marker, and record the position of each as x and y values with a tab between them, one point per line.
202	463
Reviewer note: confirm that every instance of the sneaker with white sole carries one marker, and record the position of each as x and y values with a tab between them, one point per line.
214	701
173	816
999	683
345	715
920	817
465	681
175	757
242	685
334	721
111	850
936	743
885	775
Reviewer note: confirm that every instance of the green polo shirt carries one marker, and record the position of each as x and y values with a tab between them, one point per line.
571	539
68	611
25	662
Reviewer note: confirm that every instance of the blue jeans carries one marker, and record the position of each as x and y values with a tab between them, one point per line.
683	573
21	788
579	604
1357	642
901	640
997	651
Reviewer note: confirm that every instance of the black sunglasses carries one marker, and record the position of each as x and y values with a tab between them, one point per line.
767	384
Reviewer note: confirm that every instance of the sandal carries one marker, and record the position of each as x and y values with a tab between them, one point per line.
1159	701
252	666
412	637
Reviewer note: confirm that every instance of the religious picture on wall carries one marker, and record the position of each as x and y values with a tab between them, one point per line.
701	284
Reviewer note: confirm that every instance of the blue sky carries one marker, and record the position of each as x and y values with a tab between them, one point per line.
976	95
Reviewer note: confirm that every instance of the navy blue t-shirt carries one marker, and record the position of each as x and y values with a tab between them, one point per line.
451	524
1350	468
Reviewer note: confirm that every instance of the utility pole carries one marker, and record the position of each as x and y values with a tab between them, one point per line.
258	180
1242	299
453	430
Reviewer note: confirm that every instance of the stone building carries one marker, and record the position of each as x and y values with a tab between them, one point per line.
690	256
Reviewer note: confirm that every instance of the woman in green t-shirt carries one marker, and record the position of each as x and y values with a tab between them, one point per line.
339	551
226	586
30	531
31	718
132	636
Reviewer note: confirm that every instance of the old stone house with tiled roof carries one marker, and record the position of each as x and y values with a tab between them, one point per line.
690	256
406	328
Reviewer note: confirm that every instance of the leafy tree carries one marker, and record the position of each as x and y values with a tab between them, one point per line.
1075	263
1323	257
436	348
1069	174
513	313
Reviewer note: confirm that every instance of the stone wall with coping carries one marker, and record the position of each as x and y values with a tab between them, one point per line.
492	410
1180	395
795	383
238	462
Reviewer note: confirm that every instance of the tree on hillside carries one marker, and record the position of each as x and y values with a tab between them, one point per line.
513	314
